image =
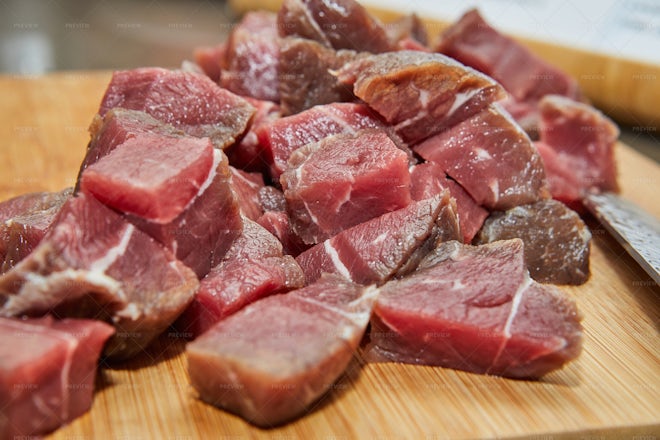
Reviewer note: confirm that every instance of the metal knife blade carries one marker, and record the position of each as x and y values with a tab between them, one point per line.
635	229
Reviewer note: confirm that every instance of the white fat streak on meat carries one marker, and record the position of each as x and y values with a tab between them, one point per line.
217	158
336	7
72	343
515	305
242	178
345	126
482	154
423	97
315	25
460	99
336	261
42	291
381	237
102	264
311	214
494	186
359	319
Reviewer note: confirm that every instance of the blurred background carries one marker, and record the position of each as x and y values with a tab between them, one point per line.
41	36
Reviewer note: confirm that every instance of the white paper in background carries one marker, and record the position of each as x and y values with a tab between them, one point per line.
620	28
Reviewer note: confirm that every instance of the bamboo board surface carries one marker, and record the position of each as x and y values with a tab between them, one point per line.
611	391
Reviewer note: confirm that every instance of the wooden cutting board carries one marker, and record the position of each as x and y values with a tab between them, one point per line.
611	391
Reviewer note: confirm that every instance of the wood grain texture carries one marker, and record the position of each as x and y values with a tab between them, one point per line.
611	391
625	89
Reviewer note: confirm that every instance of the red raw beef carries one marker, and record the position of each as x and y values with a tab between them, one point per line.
563	182
428	179
581	141
408	32
269	370
252	57
283	136
47	372
234	284
211	59
272	199
474	308
247	154
165	185
116	127
196	238
492	158
92	263
31	202
305	75
386	246
151	176
472	41
279	224
188	101
247	187
253	268
24	221
339	24
556	240
419	93
344	180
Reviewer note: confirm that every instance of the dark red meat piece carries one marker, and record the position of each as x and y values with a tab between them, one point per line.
526	76
340	24
428	179
116	127
253	268
270	370
283	136
305	77
386	246
151	176
556	240
189	101
491	157
47	372
92	263
24	220
419	93
582	141
344	180
252	57
474	308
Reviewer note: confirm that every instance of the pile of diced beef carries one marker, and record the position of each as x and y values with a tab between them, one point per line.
318	184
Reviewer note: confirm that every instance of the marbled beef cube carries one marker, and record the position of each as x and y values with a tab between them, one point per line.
475	308
418	93
492	158
344	180
93	263
273	359
189	101
557	242
386	246
47	372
